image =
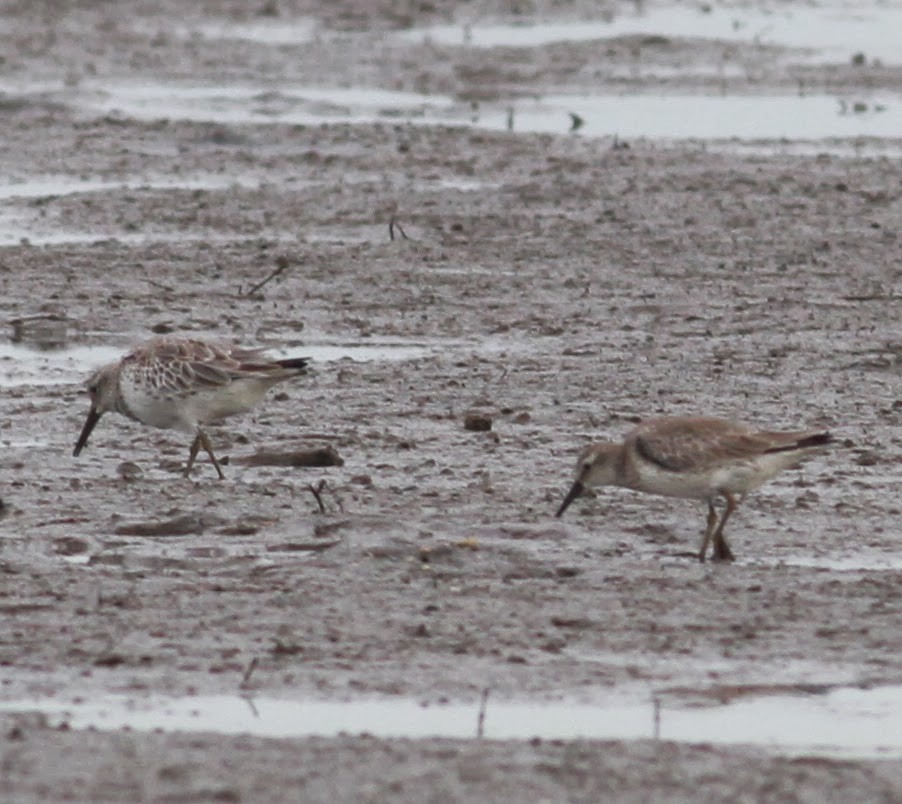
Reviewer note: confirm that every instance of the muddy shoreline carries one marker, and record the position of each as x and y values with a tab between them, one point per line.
561	286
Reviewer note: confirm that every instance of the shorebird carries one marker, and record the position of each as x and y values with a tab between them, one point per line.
182	384
696	458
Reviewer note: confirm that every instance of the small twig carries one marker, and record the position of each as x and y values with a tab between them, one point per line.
656	703
317	492
337	499
281	267
252	665
159	285
480	718
392	225
250	705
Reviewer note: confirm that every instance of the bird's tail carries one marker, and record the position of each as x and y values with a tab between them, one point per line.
298	364
804	441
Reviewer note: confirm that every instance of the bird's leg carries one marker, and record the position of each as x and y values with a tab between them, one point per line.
709	529
205	443
722	551
192	454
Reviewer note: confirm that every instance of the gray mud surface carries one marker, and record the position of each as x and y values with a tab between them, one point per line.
559	285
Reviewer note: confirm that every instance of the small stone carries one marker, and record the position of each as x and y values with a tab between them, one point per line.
129	471
478	422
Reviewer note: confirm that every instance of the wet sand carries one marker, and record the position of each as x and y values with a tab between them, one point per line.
560	285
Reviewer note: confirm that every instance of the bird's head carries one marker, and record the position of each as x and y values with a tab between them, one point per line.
103	389
597	466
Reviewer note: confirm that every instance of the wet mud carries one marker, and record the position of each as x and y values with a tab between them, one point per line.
547	289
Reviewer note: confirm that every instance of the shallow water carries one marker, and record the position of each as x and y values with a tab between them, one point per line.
670	117
868	562
847	722
707	116
833	32
21	365
684	116
50	186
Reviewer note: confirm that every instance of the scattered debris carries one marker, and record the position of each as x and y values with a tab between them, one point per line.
70	546
317	492
480	718
183	525
282	263
299	547
252	665
42	331
313	456
129	471
392	225
478	422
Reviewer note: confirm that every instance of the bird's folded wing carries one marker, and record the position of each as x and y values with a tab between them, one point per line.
194	373
699	447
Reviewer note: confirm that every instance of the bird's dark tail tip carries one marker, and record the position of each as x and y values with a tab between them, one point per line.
299	364
808	441
815	440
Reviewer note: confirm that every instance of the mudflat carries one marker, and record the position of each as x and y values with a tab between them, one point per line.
480	303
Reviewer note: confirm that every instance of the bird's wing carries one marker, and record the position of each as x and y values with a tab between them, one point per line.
681	445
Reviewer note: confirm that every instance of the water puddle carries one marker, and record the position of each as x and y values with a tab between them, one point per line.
684	116
866	116
285	104
20	365
16	227
855	149
367	353
16	230
836	32
847	722
50	186
865	562
274	32
706	117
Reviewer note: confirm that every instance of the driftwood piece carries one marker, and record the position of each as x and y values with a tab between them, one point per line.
310	456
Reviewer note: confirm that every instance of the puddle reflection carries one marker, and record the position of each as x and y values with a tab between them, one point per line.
836	32
681	116
685	116
20	365
51	186
844	722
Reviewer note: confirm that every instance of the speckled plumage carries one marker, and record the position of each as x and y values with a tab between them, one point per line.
700	458
183	384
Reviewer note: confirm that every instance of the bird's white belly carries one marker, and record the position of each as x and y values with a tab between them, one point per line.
185	410
737	478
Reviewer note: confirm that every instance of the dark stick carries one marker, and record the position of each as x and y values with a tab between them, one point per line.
249	672
337	499
317	492
480	719
392	225
280	268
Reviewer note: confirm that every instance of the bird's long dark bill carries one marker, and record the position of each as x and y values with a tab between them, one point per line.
575	490
90	422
